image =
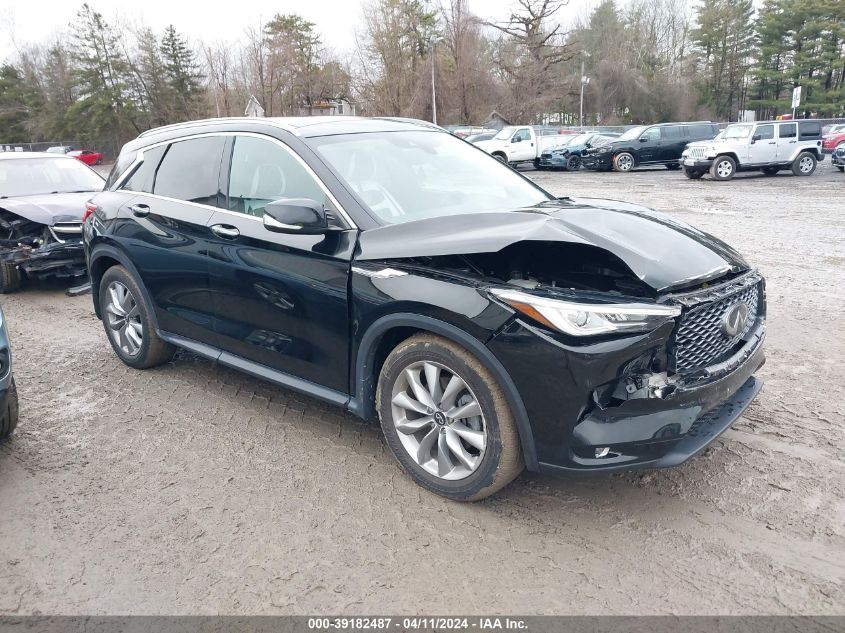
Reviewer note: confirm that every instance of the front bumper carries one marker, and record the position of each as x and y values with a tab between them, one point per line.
54	259
697	163
560	385
553	161
597	161
838	159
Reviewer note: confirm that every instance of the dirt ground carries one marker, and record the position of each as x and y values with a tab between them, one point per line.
192	489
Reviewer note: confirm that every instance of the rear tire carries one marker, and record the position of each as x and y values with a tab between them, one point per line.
9	416
10	277
128	321
804	164
770	171
723	168
693	174
469	473
840	167
673	166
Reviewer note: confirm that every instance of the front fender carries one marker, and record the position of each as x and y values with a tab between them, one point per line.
103	254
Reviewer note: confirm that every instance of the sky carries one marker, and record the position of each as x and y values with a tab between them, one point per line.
26	21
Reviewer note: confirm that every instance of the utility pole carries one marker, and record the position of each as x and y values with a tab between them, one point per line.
433	90
584	81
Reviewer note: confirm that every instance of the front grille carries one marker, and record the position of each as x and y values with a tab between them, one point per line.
701	341
546	156
695	152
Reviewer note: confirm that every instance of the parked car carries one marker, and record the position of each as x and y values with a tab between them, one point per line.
660	144
475	138
392	269
568	155
838	158
87	156
59	149
42	200
833	138
766	146
8	391
520	144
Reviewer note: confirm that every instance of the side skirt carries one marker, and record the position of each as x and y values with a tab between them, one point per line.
262	371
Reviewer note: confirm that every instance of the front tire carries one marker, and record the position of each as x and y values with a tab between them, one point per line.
446	419
723	168
9	415
693	174
573	163
128	321
804	164
501	157
624	162
10	277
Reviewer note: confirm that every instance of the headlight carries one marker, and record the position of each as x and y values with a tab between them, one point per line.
588	319
603	150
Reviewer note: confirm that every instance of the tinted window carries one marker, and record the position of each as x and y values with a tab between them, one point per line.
672	133
190	170
142	178
652	134
702	131
123	161
810	130
765	132
787	130
263	171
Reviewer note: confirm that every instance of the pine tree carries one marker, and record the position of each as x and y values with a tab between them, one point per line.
182	75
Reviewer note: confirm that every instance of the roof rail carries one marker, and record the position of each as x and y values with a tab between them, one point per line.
201	122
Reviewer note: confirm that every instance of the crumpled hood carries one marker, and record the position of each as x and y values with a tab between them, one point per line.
49	208
663	252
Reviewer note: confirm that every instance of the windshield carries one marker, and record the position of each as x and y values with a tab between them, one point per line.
600	141
505	132
33	176
737	131
631	134
405	176
579	139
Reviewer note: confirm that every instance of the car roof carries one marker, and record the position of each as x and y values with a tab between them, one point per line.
306	126
13	155
681	123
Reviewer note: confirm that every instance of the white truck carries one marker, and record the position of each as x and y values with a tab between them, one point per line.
766	146
522	143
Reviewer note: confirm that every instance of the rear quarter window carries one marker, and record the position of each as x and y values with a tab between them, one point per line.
119	168
810	130
143	177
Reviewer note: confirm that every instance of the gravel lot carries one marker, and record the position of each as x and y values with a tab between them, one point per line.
192	489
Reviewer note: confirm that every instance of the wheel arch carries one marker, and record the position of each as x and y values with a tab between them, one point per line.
390	330
105	256
501	153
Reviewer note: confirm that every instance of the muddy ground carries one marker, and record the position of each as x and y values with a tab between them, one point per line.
194	489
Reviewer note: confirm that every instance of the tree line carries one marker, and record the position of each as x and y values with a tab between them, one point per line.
646	60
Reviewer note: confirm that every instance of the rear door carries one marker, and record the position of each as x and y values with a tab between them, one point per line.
164	229
672	143
280	300
787	139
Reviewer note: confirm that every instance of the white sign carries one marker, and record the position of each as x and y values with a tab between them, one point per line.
796	97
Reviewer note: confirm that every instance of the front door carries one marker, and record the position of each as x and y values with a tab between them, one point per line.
164	230
280	300
522	146
649	145
762	147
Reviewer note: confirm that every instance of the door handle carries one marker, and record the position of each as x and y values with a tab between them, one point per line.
226	231
139	210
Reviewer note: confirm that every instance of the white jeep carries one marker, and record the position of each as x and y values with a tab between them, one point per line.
767	146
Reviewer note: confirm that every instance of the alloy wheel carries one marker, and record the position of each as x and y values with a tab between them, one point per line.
724	169
805	165
439	420
123	317
624	162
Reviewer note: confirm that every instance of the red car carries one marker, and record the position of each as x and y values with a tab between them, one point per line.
87	156
833	138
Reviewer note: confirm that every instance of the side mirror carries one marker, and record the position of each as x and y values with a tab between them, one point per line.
296	215
643	139
756	138
516	139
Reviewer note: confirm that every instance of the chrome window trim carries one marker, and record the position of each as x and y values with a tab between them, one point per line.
139	158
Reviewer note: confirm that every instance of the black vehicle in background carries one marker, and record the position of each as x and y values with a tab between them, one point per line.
838	157
660	144
392	269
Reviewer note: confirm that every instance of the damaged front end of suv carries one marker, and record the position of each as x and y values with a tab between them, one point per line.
631	338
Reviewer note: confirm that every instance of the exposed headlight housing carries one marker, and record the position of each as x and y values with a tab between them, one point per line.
710	152
587	319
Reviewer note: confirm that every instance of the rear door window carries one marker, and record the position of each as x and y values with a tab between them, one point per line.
672	133
190	170
787	130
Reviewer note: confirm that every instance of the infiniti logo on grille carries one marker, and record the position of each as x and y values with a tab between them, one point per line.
735	319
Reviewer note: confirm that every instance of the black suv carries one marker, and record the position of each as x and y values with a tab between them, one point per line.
660	144
387	267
